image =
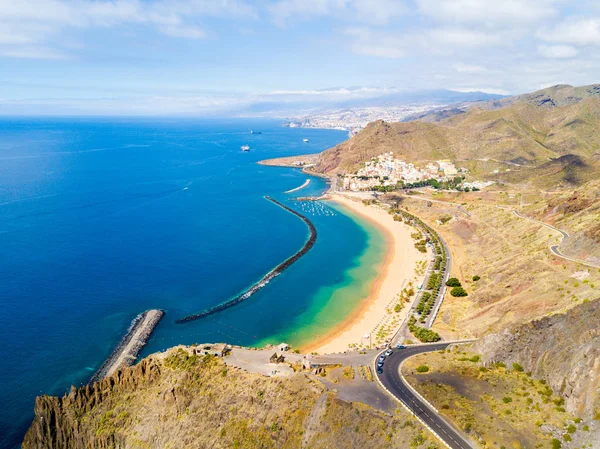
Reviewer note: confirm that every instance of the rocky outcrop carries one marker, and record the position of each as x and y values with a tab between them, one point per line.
563	349
179	399
58	421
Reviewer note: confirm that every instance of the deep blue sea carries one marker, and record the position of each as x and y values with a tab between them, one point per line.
101	219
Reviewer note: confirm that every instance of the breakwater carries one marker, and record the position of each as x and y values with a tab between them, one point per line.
126	352
307	182
312	238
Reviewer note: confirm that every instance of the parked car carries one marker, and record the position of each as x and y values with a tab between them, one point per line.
379	370
400	347
382	358
388	352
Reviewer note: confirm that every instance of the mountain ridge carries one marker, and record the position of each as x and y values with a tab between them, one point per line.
521	130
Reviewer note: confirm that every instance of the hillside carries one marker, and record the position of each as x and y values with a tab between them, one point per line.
550	97
519	131
179	400
577	212
563	349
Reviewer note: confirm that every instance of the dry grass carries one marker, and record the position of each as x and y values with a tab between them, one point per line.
497	406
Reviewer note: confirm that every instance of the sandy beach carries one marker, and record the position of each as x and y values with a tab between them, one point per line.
398	269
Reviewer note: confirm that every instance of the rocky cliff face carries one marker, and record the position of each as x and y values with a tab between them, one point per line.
61	423
562	349
179	400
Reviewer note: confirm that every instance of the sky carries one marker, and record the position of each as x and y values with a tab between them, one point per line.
195	56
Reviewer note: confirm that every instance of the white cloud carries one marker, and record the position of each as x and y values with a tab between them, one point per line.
488	11
469	68
361	91
465	38
376	12
557	51
579	32
487	90
41	21
370	43
33	53
188	32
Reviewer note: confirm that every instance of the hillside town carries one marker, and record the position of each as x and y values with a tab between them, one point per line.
387	171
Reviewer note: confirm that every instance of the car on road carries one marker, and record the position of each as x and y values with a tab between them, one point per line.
380	370
388	352
382	358
400	347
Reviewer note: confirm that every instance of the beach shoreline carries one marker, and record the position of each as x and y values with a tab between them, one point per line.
397	270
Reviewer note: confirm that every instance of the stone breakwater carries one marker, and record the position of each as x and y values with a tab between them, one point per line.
307	182
126	352
269	276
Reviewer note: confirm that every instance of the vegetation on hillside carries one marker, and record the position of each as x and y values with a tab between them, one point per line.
496	405
181	400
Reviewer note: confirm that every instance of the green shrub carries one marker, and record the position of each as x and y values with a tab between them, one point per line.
517	367
453	282
476	278
458	291
422	369
423	334
556	444
506	399
571	428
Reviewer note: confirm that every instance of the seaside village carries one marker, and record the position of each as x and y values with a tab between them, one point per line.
385	170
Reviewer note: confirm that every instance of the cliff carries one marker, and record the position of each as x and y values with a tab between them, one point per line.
179	400
563	349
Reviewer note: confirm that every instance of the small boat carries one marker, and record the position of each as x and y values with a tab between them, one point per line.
305	140
245	147
255	132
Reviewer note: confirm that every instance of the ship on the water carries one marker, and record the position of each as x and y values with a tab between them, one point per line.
245	147
305	140
255	132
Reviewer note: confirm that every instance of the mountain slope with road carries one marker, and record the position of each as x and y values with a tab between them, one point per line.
392	380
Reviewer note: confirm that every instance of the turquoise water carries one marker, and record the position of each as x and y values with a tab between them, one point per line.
101	219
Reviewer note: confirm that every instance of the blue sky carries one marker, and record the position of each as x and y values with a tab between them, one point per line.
193	56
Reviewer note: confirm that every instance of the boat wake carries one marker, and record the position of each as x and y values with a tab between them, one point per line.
312	238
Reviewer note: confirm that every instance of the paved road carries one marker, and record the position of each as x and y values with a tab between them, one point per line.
393	381
554	248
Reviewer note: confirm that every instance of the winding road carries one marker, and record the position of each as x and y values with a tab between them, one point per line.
554	248
394	383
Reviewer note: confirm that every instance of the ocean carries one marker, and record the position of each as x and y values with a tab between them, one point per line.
103	218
